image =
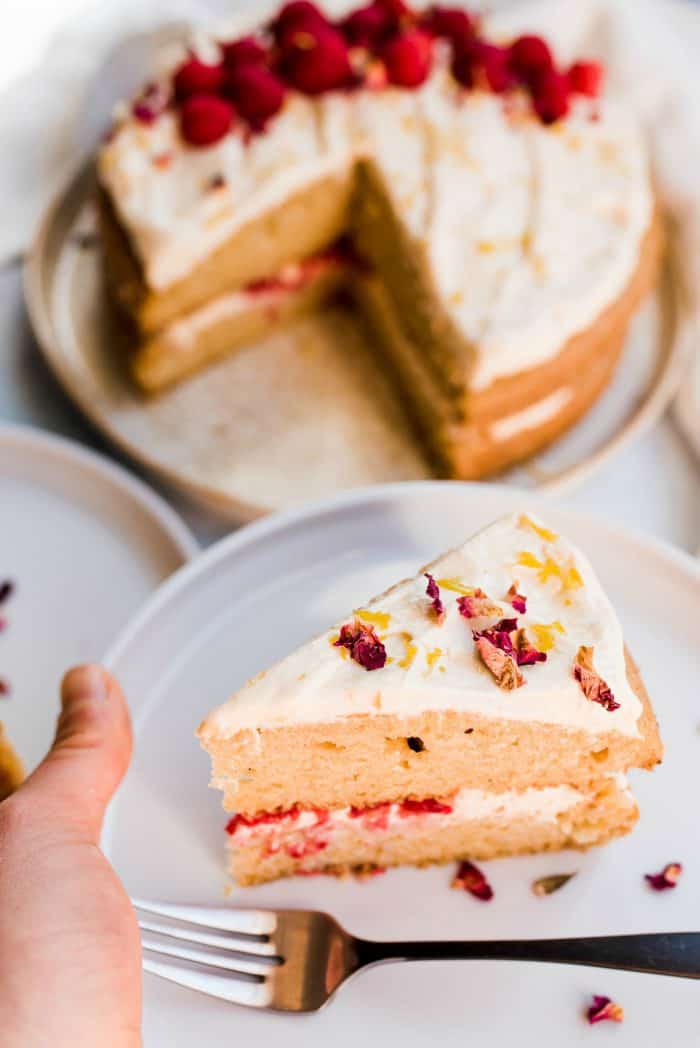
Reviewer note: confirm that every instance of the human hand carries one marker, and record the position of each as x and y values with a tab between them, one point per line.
70	954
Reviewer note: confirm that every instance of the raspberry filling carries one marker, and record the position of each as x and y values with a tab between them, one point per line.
299	274
301	833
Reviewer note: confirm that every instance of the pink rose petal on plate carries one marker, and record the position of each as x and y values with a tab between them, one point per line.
603	1008
667	878
469	878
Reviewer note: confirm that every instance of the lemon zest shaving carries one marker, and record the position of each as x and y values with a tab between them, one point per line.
544	634
381	619
456	586
411	650
544	533
569	577
433	655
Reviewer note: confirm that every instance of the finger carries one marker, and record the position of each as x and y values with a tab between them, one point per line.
90	752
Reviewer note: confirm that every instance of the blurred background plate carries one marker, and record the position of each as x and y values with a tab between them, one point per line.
85	544
242	457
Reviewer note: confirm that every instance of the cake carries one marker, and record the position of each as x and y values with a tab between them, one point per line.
497	214
11	772
486	707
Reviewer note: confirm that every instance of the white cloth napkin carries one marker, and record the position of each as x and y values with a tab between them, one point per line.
53	117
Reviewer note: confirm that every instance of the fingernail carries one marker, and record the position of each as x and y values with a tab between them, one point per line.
83	684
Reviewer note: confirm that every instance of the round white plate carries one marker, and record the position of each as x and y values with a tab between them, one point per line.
85	543
244	454
264	590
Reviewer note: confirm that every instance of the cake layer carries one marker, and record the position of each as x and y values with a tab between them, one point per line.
319	729
471	824
304	224
231	320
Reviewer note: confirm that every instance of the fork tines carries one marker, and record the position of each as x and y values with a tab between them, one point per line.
225	953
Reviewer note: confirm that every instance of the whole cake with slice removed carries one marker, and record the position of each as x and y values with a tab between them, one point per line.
499	207
485	707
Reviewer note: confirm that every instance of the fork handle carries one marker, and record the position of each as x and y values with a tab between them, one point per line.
665	953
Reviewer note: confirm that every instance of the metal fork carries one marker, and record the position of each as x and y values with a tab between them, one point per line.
295	960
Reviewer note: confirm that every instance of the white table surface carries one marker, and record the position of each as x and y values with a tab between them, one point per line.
652	486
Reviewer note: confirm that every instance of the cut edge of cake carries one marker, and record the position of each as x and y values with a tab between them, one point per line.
470	824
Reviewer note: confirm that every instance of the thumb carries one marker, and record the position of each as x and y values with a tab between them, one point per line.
89	755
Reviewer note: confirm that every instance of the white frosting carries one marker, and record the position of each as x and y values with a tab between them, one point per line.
530	231
531	417
436	667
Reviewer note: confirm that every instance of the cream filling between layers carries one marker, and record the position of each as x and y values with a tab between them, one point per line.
529	418
434	667
541	805
495	200
292	280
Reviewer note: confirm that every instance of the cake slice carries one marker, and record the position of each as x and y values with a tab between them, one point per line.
485	707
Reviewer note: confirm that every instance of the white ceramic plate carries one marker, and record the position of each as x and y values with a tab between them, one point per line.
262	591
85	543
244	454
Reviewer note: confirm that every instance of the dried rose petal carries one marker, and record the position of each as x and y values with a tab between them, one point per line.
603	1008
477	605
500	635
363	644
593	686
552	883
433	591
4	687
525	651
469	878
516	600
668	878
7	588
501	665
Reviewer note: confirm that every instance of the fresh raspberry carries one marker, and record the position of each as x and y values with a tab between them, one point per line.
396	9
450	22
246	51
257	93
317	61
205	119
586	78
408	58
368	26
551	97
297	15
196	78
464	64
494	62
530	58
